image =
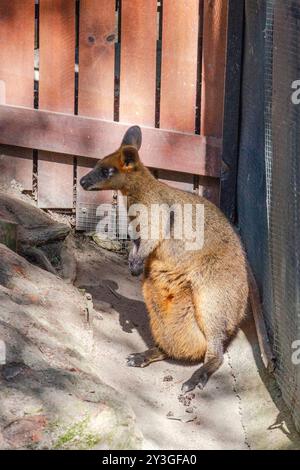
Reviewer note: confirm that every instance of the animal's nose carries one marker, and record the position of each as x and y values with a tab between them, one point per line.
85	182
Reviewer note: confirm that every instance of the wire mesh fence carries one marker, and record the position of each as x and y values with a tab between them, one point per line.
282	63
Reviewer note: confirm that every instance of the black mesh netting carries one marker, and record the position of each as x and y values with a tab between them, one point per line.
269	176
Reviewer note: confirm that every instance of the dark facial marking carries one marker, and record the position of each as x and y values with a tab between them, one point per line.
107	172
96	176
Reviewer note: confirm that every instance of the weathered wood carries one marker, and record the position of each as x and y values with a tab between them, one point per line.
35	228
68	259
55	181
17	51
213	66
38	257
96	58
35	231
23	213
95	138
40	236
57	55
56	93
215	15
96	80
16	79
138	62
16	164
179	65
178	95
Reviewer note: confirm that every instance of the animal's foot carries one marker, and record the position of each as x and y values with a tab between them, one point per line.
145	358
195	381
138	360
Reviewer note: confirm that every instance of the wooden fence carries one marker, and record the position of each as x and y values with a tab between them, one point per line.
75	74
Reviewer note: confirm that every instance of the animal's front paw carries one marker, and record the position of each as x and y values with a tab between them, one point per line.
195	381
136	266
188	386
137	360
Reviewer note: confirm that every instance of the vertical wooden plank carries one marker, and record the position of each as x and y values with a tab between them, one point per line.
213	67
56	93
57	55
17	51
183	181
215	15
16	79
179	65
96	81
180	33
96	58
16	164
138	61
232	90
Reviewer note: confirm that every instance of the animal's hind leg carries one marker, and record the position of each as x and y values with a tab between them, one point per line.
212	361
212	325
145	358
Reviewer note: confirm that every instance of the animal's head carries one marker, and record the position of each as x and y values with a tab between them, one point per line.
115	170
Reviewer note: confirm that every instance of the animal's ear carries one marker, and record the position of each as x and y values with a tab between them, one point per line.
133	137
129	157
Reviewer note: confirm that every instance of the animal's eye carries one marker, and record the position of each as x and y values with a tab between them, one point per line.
104	172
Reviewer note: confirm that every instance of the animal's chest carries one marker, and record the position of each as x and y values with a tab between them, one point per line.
169	301
167	291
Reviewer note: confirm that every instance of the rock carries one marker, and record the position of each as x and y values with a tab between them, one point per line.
190	410
10	371
68	259
34	233
8	233
111	245
3	444
25	432
51	392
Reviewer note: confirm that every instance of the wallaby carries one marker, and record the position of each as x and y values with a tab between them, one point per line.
195	299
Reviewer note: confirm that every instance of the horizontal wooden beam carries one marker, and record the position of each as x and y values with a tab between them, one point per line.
95	138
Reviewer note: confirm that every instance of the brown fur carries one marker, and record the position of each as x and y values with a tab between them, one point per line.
195	299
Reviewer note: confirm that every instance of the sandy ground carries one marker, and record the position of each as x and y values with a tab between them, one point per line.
240	408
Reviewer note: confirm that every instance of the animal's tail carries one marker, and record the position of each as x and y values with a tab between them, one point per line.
267	355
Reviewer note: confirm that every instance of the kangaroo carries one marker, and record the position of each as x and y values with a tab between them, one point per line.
197	299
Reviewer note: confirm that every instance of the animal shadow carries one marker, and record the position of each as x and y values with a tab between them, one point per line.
132	313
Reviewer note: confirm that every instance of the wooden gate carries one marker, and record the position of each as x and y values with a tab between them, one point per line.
75	74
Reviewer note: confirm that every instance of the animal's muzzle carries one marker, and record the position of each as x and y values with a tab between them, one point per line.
87	182
84	182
